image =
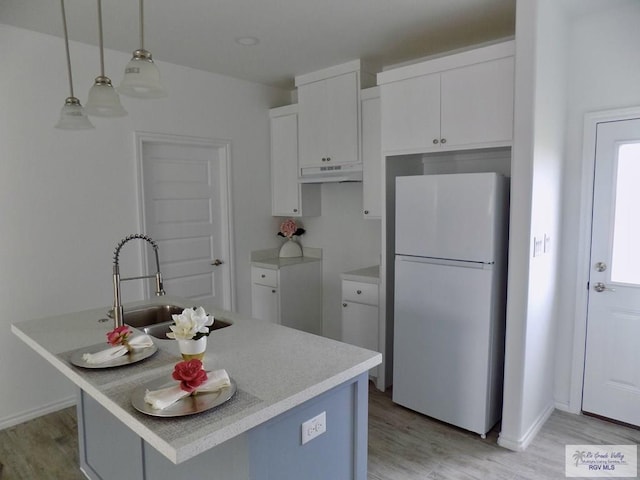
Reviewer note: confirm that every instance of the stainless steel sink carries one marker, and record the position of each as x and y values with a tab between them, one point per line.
155	320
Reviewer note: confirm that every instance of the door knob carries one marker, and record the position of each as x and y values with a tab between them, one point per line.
217	262
601	287
600	266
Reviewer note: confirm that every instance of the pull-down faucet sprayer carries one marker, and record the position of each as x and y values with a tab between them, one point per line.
118	311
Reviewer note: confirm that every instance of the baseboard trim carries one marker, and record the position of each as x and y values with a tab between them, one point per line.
521	444
22	417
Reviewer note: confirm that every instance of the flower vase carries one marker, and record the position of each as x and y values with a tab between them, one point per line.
190	349
290	248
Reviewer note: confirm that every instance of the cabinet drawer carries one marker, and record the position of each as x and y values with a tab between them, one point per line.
264	276
360	292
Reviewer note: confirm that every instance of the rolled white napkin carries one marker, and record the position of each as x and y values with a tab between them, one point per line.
136	343
166	397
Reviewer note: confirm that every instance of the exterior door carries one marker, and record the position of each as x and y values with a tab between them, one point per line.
186	211
612	360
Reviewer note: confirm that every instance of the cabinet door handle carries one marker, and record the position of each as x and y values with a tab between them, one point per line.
443	140
435	141
366	212
358	292
344	304
217	262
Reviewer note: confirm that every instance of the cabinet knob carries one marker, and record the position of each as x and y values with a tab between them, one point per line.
273	291
344	304
263	276
324	159
443	140
435	141
295	210
328	159
359	292
366	212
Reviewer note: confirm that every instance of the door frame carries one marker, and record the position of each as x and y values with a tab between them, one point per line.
221	148
591	121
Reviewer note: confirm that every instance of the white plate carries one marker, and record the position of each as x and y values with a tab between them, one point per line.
136	356
189	405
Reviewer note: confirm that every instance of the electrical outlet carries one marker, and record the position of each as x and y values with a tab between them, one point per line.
313	427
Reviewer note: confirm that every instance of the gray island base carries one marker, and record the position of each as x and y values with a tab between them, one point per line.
285	378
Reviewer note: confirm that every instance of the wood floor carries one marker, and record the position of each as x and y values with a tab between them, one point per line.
403	445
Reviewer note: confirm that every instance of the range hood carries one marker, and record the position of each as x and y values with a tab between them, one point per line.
331	174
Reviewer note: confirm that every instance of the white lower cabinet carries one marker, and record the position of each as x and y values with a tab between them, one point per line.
265	302
289	294
360	315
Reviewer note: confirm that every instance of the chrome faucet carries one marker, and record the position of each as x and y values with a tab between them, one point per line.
118	311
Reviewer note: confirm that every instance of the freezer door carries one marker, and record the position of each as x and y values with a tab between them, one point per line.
448	216
445	338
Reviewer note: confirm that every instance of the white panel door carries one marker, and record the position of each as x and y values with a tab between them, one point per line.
185	200
612	361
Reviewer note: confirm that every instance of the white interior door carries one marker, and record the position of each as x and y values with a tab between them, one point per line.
186	211
612	359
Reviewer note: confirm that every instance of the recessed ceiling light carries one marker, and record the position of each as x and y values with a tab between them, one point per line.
247	41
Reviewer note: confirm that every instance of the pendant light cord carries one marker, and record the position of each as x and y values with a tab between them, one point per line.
100	33
66	45
141	25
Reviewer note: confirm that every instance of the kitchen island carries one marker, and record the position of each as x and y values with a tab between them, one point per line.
284	377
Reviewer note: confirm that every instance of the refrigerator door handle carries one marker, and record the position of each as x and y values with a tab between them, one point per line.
445	261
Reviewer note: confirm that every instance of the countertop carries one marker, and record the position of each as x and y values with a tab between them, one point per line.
269	258
275	368
365	275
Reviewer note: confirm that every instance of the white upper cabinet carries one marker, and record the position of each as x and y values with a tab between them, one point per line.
411	114
477	103
288	197
329	115
454	102
371	153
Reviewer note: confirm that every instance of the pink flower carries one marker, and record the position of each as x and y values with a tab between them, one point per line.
118	336
288	228
190	375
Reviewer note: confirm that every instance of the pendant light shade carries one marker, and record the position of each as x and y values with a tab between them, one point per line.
103	100
141	76
72	115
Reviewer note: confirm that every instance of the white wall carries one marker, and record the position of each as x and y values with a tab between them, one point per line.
67	197
604	73
535	212
348	242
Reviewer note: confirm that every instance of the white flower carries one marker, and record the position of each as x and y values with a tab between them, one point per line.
189	323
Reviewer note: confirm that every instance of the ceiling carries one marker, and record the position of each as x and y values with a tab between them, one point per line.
295	36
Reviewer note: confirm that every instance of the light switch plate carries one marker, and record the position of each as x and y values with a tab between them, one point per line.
313	427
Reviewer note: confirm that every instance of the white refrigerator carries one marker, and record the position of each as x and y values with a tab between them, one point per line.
450	297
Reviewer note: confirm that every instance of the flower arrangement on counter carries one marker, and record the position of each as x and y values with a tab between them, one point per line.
191	324
289	228
190	374
119	336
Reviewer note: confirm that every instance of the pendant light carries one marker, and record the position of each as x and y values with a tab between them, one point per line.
103	99
141	76
72	115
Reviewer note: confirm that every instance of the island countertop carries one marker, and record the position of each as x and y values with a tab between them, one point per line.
275	368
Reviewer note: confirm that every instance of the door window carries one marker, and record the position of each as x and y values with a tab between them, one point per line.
625	255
